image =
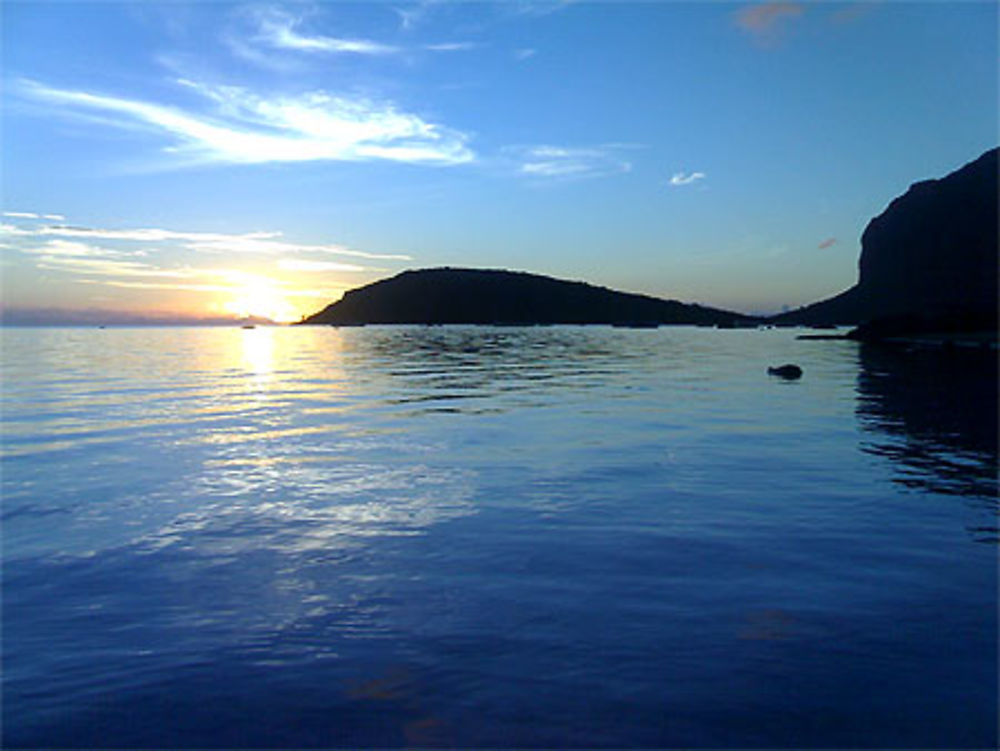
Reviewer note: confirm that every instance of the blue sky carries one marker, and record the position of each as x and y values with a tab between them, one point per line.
215	158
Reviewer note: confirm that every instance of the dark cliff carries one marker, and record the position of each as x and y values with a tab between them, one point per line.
931	254
481	296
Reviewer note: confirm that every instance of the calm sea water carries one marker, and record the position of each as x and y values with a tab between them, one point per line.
476	537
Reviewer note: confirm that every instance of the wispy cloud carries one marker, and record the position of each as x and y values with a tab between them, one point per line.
280	30
14	230
111	268
97	265
537	7
92	260
148	234
413	15
524	53
297	264
264	243
451	46
71	249
178	286
273	246
33	215
764	21
247	128
254	272
546	161
684	178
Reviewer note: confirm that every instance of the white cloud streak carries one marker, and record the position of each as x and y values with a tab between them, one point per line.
297	264
246	128
451	47
92	260
560	162
682	178
175	260
264	243
14	230
180	286
98	265
279	29
71	249
33	215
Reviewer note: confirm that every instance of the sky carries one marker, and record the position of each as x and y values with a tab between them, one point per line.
230	159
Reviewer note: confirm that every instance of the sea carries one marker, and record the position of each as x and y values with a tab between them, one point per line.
495	537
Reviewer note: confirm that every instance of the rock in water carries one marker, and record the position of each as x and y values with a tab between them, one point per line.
788	371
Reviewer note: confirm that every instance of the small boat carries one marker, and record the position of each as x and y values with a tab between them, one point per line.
248	326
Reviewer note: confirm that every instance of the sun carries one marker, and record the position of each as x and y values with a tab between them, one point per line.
258	296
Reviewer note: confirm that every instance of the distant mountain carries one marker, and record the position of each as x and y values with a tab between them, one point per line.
486	296
932	255
96	317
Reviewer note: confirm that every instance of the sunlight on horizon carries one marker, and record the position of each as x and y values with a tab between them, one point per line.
257	296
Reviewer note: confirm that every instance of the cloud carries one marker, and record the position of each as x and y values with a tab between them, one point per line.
827	242
33	215
71	249
248	244
210	242
144	234
524	53
296	264
98	265
278	29
12	229
180	286
195	262
451	47
413	15
246	128
110	268
559	162
763	21
682	178
90	260
537	7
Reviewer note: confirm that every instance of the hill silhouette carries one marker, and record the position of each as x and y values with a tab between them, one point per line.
490	296
928	260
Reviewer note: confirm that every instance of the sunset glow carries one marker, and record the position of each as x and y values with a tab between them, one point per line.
256	296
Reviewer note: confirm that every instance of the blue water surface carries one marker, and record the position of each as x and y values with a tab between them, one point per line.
495	537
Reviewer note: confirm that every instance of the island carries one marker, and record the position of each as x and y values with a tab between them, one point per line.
501	297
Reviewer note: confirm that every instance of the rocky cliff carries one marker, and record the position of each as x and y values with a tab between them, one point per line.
932	253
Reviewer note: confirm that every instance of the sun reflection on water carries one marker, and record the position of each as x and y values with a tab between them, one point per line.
258	350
